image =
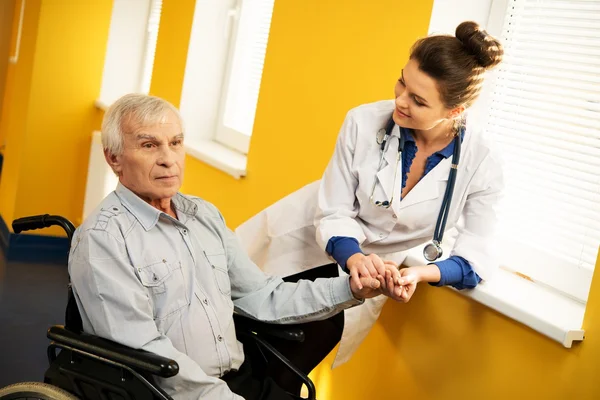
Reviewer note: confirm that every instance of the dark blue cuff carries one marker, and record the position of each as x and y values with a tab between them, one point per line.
341	248
457	272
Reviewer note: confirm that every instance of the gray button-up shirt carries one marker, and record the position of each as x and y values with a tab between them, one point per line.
169	286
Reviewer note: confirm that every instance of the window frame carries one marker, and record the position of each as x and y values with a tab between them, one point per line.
125	64
223	134
207	77
548	311
542	269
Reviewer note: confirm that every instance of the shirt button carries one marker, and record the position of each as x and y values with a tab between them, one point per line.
394	216
220	338
139	270
381	235
205	301
165	261
184	231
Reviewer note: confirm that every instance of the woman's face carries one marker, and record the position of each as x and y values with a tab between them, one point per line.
418	102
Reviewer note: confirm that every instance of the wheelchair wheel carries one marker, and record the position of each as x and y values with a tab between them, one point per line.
34	390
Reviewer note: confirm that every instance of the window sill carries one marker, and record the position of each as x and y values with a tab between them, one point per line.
101	105
543	309
218	156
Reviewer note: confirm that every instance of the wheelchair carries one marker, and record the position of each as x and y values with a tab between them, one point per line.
87	367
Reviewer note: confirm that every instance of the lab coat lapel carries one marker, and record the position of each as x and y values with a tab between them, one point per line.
430	187
433	185
385	176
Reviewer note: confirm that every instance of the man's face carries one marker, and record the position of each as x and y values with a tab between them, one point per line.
152	161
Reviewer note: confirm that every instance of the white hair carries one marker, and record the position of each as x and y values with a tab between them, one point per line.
132	109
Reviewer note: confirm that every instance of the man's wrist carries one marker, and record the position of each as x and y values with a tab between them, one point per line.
355	295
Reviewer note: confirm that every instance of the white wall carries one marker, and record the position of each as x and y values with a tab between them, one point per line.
125	50
100	179
448	14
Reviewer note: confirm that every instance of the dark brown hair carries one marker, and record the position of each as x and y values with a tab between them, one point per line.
458	63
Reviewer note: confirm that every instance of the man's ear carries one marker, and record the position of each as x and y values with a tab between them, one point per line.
113	161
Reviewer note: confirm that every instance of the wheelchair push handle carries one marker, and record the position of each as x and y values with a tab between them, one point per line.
43	221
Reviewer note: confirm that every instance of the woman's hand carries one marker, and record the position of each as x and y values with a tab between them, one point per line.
367	266
391	283
411	277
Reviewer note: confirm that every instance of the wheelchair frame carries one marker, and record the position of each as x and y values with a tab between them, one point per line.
93	368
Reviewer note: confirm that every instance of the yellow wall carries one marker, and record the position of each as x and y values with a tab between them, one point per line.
323	58
14	112
444	346
7	9
171	49
318	57
52	113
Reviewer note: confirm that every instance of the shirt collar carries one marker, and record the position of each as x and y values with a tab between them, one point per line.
146	214
407	135
445	152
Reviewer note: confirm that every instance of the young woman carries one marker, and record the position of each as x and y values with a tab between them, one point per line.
403	172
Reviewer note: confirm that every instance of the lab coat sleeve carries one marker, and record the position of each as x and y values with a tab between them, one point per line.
116	305
476	241
337	207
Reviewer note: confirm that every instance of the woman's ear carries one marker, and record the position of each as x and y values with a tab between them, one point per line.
113	161
456	112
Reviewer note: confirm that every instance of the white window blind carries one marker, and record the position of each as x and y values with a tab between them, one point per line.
245	66
150	50
545	117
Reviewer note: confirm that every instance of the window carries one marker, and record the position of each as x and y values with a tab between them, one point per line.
543	112
150	47
131	47
242	82
127	68
222	79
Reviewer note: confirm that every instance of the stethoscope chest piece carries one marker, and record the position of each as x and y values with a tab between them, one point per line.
432	251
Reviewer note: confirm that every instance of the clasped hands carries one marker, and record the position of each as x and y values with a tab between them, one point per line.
371	276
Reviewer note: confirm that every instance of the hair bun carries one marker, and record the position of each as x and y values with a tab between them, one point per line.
483	46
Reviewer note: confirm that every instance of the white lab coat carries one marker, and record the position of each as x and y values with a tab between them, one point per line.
281	238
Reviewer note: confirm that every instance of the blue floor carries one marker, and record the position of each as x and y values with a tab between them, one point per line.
32	297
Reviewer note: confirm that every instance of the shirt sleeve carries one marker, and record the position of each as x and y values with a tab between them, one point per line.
457	272
341	248
115	305
270	299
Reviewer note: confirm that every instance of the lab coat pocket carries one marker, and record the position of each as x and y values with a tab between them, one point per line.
218	263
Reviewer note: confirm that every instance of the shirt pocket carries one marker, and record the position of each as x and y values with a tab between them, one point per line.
164	281
218	263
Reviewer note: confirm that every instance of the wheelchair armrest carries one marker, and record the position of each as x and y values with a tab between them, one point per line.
266	329
139	360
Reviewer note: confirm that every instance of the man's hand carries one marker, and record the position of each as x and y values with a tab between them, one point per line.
362	266
369	287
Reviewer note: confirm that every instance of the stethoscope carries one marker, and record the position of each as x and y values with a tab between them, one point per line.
433	250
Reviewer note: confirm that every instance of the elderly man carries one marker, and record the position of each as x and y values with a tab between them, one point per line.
157	270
